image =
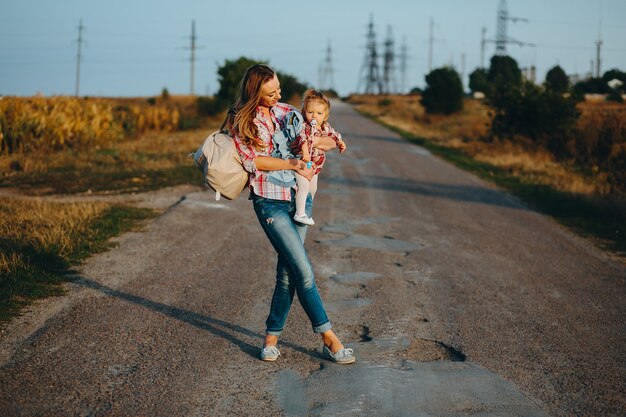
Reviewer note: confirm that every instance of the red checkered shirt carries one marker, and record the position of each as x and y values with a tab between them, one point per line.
318	156
258	182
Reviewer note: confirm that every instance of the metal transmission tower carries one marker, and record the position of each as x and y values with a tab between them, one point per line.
78	55
370	74
326	74
389	69
501	35
403	58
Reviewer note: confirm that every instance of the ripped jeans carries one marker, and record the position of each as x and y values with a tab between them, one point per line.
294	273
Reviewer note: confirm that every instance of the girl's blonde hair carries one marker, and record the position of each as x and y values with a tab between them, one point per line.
242	114
315	96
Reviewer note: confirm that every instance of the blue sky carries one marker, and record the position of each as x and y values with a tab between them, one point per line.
137	47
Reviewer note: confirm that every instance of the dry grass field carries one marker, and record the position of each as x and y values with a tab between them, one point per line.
63	145
468	130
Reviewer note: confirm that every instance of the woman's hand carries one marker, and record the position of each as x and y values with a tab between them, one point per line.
300	167
325	143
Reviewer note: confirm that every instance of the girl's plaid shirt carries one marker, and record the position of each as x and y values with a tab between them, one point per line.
258	182
318	156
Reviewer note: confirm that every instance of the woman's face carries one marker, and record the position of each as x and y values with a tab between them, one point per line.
270	92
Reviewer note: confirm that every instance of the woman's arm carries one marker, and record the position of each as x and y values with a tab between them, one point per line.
325	143
268	163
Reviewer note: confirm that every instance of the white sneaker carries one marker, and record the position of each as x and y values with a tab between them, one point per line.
304	219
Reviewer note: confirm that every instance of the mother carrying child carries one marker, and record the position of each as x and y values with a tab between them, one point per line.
258	115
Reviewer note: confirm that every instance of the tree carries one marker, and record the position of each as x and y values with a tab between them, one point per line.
504	72
444	93
229	76
231	73
556	80
290	86
478	81
505	81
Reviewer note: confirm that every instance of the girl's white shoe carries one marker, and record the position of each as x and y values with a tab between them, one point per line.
304	219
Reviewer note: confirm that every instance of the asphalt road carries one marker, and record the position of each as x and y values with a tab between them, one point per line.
457	299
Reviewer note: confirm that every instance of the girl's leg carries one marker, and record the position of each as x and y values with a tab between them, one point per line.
313	185
303	191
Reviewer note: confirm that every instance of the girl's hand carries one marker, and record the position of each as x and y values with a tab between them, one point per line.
342	146
306	157
300	167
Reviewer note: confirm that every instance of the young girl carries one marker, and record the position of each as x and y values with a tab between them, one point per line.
315	109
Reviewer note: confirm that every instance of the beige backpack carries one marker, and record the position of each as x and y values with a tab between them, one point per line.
218	160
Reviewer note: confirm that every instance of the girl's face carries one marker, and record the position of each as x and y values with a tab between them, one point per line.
315	110
270	92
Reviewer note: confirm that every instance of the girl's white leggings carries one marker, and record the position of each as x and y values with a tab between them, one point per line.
304	188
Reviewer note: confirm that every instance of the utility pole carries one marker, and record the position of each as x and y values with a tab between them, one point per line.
430	46
370	72
193	55
463	71
483	41
78	56
598	50
327	79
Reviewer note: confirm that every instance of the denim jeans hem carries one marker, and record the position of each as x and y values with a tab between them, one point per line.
273	332
322	327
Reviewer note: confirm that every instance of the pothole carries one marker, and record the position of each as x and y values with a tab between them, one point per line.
355	277
374	243
424	350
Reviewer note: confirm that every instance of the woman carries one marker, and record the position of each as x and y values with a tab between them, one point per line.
258	114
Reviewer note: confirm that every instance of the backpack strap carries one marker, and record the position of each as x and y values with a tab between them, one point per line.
230	113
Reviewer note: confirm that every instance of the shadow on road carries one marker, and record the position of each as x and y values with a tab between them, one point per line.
374	137
466	193
198	320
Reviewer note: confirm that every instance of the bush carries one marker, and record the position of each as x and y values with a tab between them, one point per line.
444	93
556	80
545	117
208	106
478	81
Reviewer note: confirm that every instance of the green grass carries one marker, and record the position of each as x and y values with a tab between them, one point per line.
44	270
600	220
76	180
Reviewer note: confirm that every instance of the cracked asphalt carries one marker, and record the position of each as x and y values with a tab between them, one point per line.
457	299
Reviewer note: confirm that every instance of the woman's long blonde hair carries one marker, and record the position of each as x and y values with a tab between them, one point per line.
246	103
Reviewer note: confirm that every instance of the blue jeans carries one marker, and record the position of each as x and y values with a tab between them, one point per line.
294	273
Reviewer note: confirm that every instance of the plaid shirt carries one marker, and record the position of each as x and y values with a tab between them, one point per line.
258	182
318	156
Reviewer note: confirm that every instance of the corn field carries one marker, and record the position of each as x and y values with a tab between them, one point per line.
54	123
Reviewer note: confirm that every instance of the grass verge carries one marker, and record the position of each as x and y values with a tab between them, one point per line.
42	240
597	219
153	161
